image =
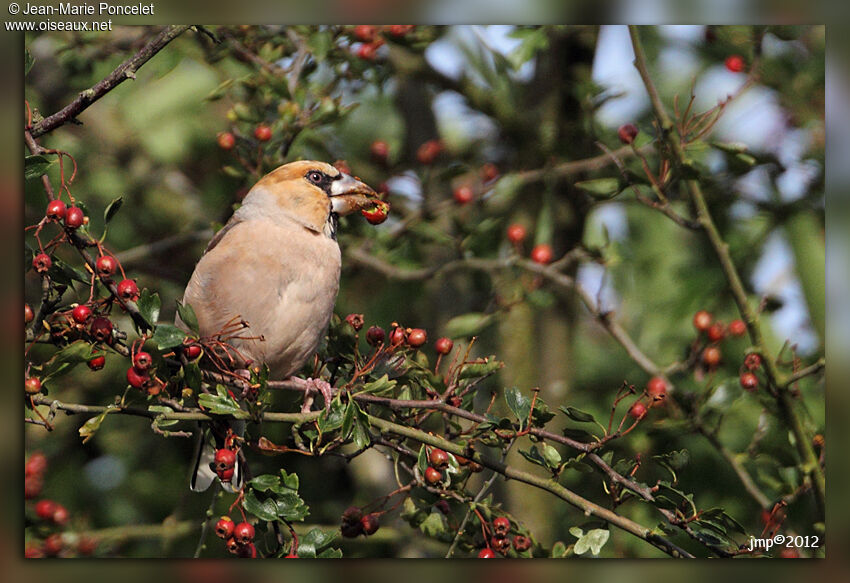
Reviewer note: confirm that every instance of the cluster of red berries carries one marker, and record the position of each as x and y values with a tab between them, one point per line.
438	460
139	374
51	517
355	522
499	541
238	538
541	253
748	379
227	140
72	216
370	37
715	332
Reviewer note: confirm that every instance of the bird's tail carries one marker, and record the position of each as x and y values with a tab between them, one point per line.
203	473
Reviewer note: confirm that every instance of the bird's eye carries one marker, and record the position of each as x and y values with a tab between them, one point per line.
315	177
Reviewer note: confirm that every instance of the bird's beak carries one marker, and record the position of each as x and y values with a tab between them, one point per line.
349	194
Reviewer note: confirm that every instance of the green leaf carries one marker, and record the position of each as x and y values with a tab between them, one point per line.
594	540
434	525
519	404
601	187
219	404
559	550
192	375
112	209
332	417
265	482
187	315
315	540
320	44
289	481
422	459
533	455
551	456
66	358
160	422
149	305
481	369
91	426
467	325
577	414
330	554
36	166
265	509
378	386
168	336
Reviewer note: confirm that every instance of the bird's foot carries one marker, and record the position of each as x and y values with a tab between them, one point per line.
311	387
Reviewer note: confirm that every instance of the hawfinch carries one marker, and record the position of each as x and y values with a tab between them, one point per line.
275	265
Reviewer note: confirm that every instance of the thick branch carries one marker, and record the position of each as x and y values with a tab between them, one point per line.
126	70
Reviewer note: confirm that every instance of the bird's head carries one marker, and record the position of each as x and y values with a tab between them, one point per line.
308	192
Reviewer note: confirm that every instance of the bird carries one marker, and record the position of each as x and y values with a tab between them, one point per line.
274	266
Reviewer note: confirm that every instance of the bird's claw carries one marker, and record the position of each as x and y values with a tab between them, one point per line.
313	386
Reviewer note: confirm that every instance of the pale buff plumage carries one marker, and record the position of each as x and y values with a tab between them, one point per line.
276	266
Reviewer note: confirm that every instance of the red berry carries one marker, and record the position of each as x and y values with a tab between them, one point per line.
716	332
433	476
224	527
627	133
101	329
60	515
142	361
81	314
191	349
32	386
137	378
428	152
752	361
105	265
737	328
417	337
342	166
128	290
438	458
463	194
74	217
749	381
225	459
500	544
542	254
367	51
263	133
53	544
226	140
735	63
521	543
364	32
489	172
377	214
42	262
86	546
355	321
702	320
36	464
97	362
243	533
375	335
226	475
380	151
638	410
32	487
400	29
44	509
33	552
501	526
657	388
248	551
444	345
397	336
29	315
370	523
789	553
486	554
516	233
55	210
232	545
711	356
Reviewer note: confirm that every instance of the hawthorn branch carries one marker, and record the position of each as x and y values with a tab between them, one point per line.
124	71
809	461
